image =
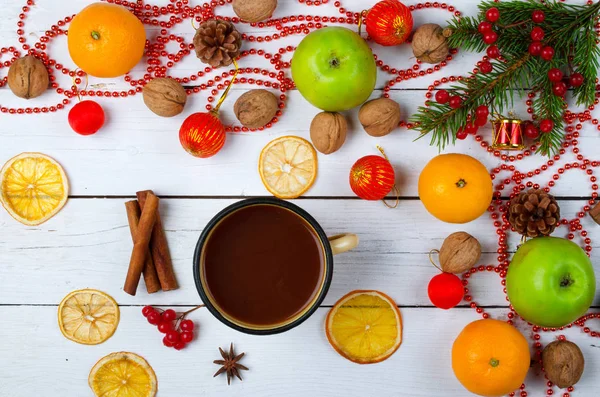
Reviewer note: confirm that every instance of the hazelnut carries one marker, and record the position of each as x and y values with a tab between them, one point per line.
563	363
460	252
255	108
28	77
165	97
379	116
254	10
328	132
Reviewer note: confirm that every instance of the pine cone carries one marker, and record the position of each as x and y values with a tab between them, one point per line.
217	42
534	213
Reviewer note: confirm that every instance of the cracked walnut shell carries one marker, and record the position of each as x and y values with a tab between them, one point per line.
28	77
165	97
379	116
328	132
256	108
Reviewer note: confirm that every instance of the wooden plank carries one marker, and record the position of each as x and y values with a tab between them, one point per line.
297	363
88	245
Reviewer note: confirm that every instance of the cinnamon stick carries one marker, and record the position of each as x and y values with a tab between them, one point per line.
149	272
140	246
159	248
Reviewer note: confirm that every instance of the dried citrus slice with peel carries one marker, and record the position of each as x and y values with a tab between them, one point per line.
288	166
365	327
34	188
123	374
88	316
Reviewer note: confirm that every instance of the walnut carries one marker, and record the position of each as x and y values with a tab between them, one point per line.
28	77
255	108
563	363
254	10
165	97
379	116
430	44
328	132
460	252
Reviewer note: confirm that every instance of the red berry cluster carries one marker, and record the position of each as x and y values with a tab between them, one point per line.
489	36
560	83
537	48
178	331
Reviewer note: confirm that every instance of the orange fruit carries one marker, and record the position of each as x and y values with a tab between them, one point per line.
490	358
455	188
364	327
106	40
123	374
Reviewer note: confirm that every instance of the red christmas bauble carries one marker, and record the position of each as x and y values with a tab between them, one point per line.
86	117
445	290
389	22
372	177
202	134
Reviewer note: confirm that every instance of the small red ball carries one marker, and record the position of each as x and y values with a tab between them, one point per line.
481	121
535	48
559	88
482	111
202	134
389	22
442	96
445	290
493	52
537	34
484	27
538	16
485	67
531	132
86	117
372	177
547	53
461	133
555	75
576	79
471	128
546	125
492	14
455	102
490	37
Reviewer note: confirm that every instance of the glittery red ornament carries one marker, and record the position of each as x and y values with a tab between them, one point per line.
86	117
389	22
202	134
445	290
372	177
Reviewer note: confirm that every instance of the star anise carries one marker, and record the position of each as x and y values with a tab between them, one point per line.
230	364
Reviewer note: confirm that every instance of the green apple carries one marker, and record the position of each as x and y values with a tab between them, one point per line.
334	69
550	282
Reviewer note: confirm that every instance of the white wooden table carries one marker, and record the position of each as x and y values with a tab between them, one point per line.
87	245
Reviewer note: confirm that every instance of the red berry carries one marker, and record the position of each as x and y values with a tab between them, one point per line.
166	342
481	121
485	67
86	117
559	89
555	75
154	318
492	14
461	133
442	96
169	315
165	327
147	310
537	34
493	52
535	48
471	128
455	102
531	132
173	336
187	325
576	79
445	290
187	336
546	125
482	111
538	16
484	27
179	345
547	53
490	37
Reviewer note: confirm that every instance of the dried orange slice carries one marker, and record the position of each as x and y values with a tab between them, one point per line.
34	188
88	316
365	327
288	166
123	374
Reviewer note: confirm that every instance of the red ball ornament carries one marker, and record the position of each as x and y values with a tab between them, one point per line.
372	177
442	96
538	16
86	117
445	290
576	79
492	14
389	22
202	134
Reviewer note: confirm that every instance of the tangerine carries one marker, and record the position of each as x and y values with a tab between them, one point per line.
455	188
490	358
106	40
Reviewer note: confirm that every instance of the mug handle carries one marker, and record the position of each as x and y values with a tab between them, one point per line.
343	242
